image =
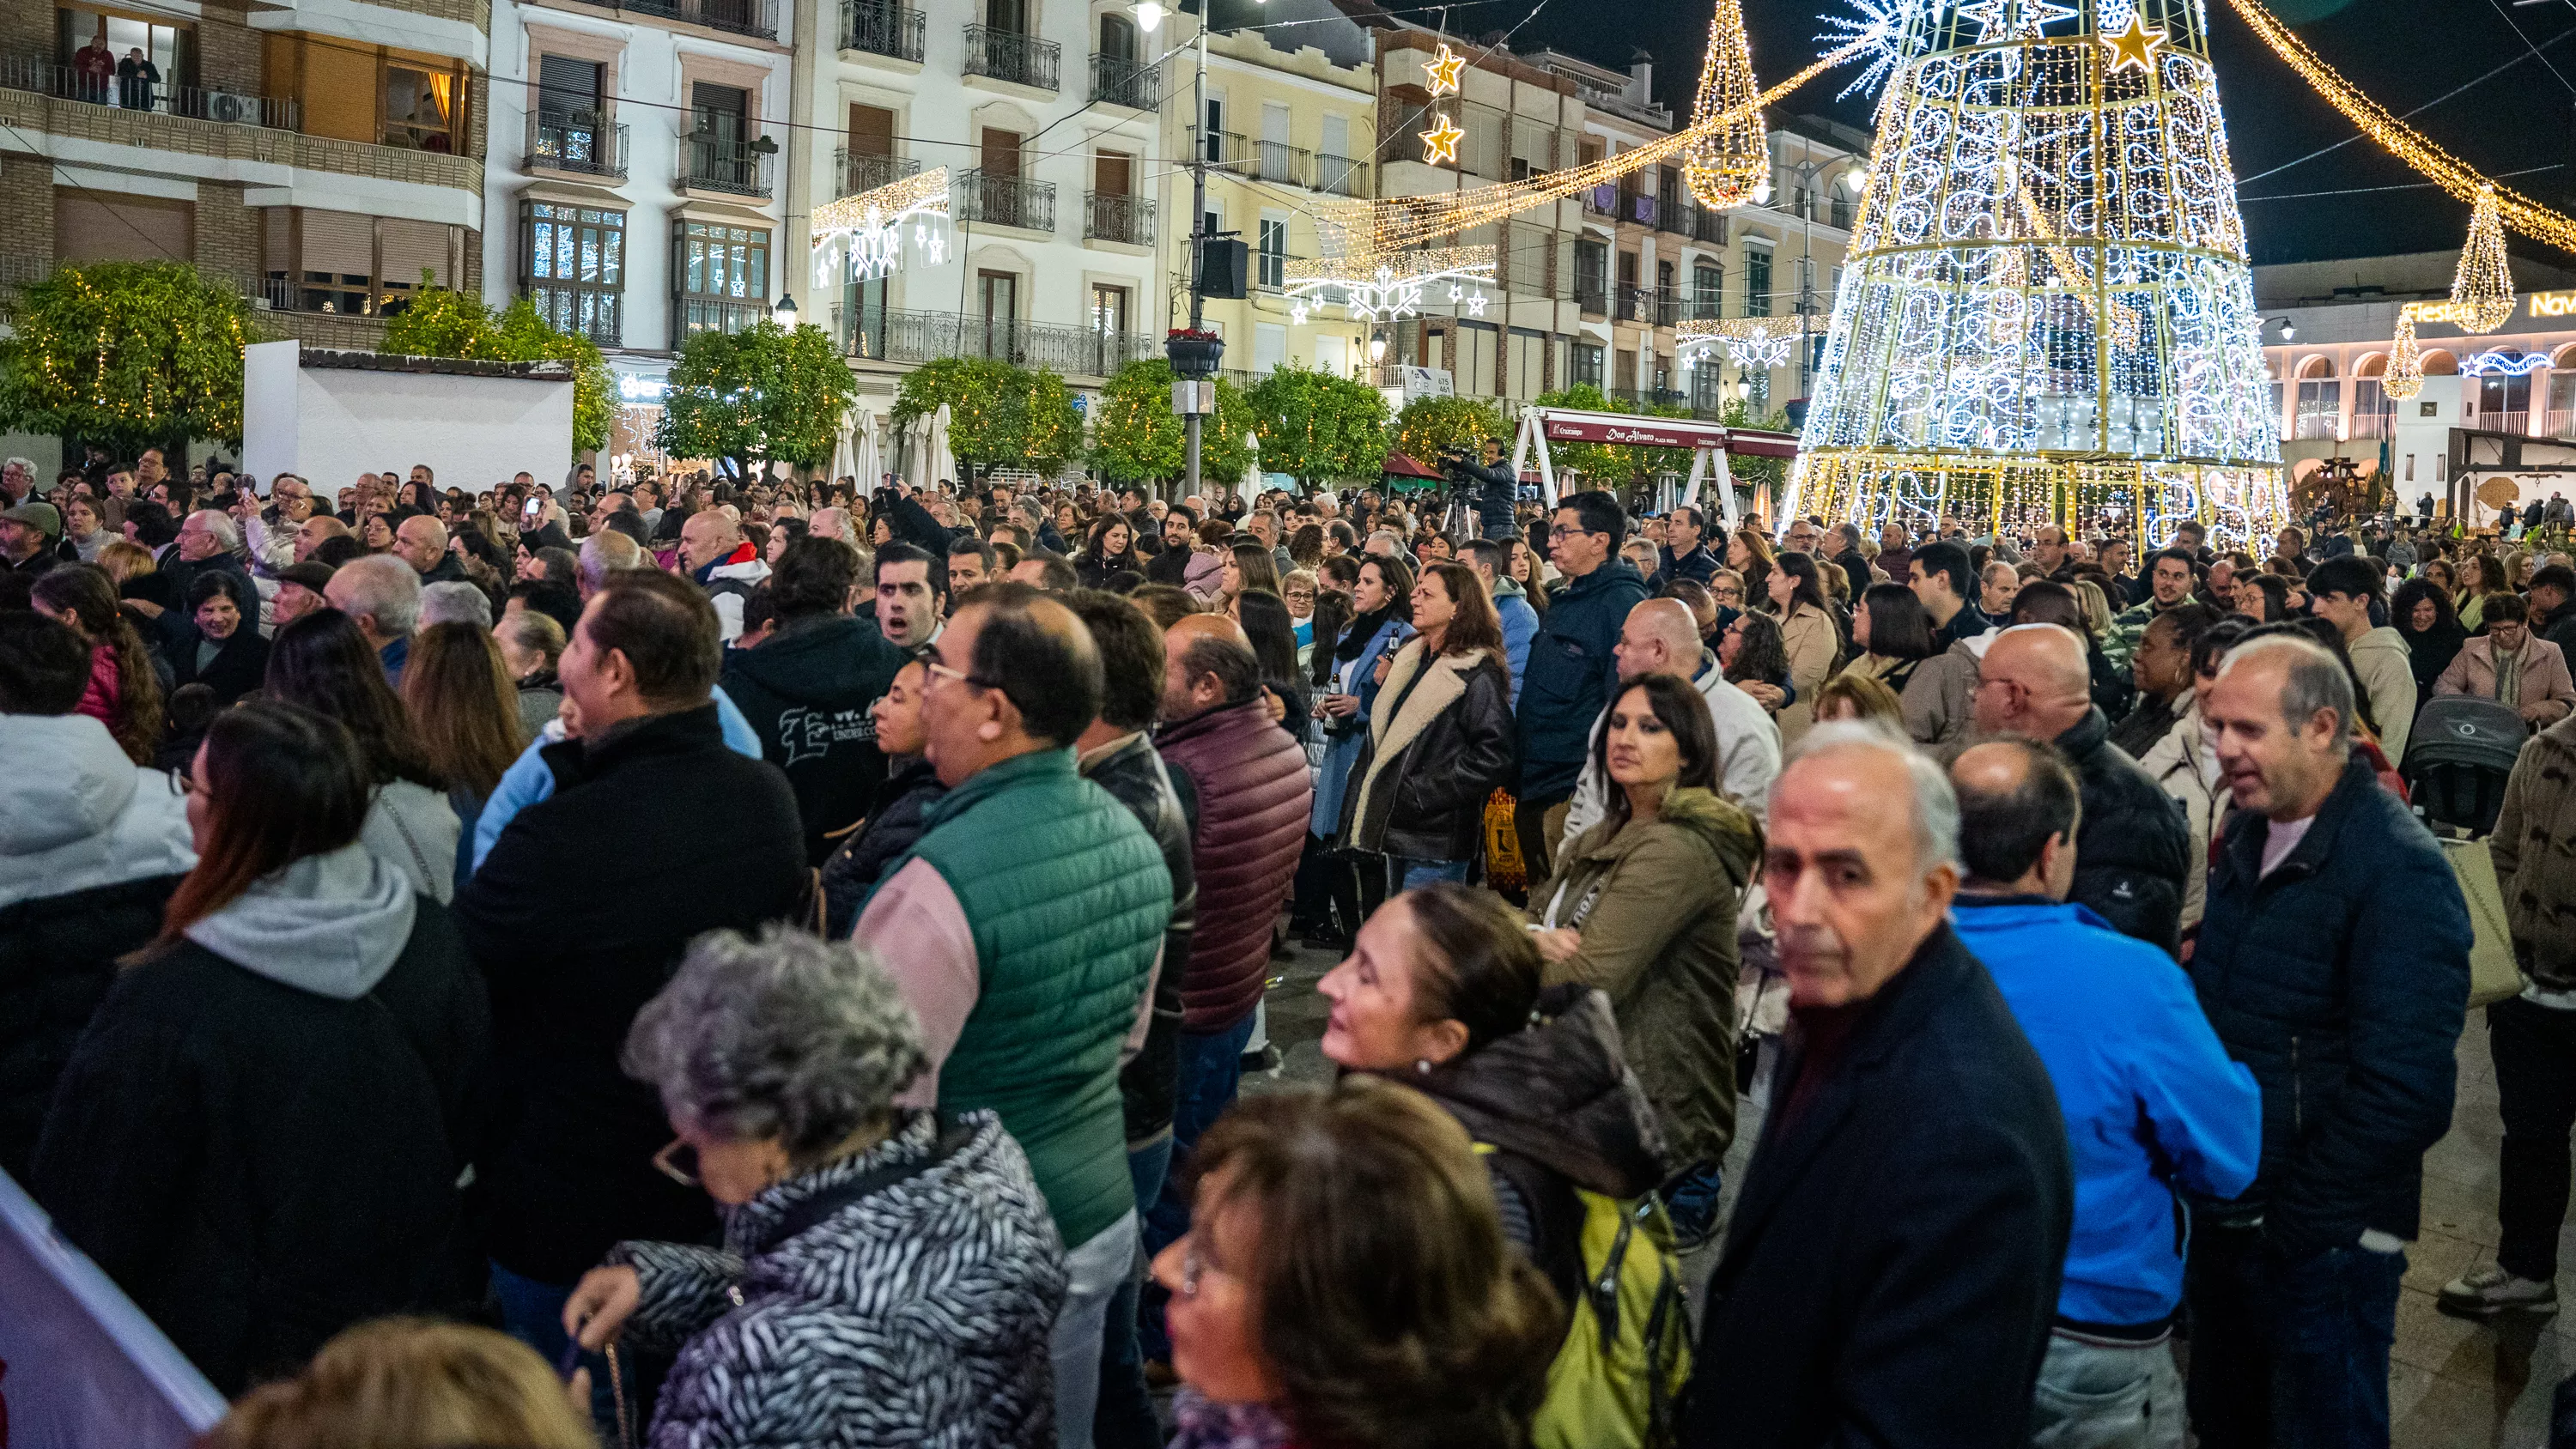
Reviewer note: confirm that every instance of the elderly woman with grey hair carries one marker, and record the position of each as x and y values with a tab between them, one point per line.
882	1281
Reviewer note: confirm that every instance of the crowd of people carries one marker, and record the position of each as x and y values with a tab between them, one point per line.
776	963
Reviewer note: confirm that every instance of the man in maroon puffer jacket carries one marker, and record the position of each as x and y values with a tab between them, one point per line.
1254	796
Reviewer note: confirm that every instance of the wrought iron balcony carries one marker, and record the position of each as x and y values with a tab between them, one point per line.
1277	161
1005	201
853	174
885	335
1120	80
584	144
1007	55
736	168
737	17
1341	175
1592	297
880	28
1128	220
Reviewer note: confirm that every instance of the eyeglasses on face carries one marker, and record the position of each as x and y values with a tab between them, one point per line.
1562	531
678	1161
938	670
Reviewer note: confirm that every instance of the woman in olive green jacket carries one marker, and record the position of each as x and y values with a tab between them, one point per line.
1643	909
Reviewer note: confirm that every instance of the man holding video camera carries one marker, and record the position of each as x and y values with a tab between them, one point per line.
1496	486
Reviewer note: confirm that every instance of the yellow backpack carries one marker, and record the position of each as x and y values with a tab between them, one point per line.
1618	1377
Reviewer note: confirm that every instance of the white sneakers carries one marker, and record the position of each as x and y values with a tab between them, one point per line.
2488	1290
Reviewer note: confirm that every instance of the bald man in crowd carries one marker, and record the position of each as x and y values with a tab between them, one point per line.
314	531
1661	636
723	563
422	543
2133	848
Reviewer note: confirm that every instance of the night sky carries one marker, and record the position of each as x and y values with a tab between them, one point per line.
2402	52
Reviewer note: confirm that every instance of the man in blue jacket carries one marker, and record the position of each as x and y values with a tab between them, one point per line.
2334	960
1489	558
2151	1101
1571	665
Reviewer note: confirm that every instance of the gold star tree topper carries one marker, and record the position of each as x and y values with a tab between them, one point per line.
1440	144
1443	70
2135	46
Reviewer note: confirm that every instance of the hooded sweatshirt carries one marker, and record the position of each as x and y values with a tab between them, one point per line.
330	924
806	693
2382	660
76	814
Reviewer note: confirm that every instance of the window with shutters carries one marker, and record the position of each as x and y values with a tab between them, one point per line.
1273	259
722	279
576	268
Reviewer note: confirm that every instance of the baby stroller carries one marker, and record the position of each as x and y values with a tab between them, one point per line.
2459	758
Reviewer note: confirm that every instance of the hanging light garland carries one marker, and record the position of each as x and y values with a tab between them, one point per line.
866	231
2482	290
1724	168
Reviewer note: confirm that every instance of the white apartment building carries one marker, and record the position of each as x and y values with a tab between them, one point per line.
1046	115
632	175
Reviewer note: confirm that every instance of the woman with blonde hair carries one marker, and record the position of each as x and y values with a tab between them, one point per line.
1855	696
125	560
410	1383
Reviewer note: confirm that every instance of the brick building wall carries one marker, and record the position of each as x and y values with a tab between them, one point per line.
228	233
27	223
228	51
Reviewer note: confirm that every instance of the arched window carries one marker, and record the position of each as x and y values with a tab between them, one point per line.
2320	399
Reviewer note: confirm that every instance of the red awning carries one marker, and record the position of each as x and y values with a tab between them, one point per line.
1401	465
1749	443
1565	426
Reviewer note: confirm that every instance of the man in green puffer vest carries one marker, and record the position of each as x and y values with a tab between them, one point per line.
1023	928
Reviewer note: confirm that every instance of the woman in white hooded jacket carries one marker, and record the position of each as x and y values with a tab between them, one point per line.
91	845
261	1134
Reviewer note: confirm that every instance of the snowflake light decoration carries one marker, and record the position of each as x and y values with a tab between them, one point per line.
864	234
1892	29
1387	286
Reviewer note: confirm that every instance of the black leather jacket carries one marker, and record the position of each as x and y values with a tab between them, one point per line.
1429	803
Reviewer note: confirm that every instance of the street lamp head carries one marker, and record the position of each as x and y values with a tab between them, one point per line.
784	314
2289	330
1377	350
1149	15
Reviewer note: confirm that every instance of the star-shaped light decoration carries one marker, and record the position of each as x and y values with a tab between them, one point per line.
1476	304
1457	293
2135	46
1443	69
1440	144
1297	313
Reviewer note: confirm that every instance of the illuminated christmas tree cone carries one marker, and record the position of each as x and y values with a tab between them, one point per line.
2046	312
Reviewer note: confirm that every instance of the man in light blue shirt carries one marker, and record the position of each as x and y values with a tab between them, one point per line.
2153	1106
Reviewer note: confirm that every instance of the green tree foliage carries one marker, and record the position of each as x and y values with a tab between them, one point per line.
128	353
1603	465
1137	438
442	322
1318	427
1429	424
999	415
762	395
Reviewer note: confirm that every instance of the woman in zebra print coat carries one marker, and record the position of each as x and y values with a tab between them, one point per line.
882	1282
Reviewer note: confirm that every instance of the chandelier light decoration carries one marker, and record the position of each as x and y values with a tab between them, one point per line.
1756	343
2046	312
861	238
1732	159
2482	299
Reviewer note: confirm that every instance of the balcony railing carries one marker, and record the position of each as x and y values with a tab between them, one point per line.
738	17
1673	214
881	29
1650	305
1007	55
1708	225
588	311
1277	161
2562	423
1592	297
2371	423
892	336
586	145
852	174
1120	80
2516	421
30	73
1341	175
1006	201
710	163
1602	200
1118	218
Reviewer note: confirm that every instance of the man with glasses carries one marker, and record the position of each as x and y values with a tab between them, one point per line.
1019	1014
1572	663
271	532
